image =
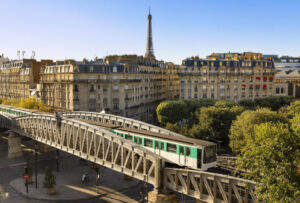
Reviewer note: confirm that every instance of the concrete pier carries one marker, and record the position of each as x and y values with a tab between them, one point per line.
14	145
156	197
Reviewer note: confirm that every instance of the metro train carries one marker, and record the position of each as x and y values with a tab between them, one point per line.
182	151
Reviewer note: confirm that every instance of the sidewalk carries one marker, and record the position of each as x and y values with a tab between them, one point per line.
70	187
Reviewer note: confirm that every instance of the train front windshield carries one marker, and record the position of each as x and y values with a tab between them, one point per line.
210	154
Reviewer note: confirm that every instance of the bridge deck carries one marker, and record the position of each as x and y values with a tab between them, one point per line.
92	143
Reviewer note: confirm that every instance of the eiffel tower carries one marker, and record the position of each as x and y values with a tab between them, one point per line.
149	50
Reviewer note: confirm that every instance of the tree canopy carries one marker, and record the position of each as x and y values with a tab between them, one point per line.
214	122
171	112
271	155
272	102
244	125
175	111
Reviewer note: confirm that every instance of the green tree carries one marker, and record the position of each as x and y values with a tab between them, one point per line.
215	121
50	179
172	127
270	156
247	103
273	102
171	112
194	104
295	124
244	125
291	110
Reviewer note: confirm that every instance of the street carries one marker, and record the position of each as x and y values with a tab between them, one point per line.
11	169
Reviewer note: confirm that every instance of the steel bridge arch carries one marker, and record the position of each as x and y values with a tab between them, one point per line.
91	143
118	120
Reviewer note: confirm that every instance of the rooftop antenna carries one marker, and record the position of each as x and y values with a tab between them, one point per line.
33	55
18	53
23	53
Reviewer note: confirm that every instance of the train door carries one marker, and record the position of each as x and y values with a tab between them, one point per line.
182	155
159	146
199	158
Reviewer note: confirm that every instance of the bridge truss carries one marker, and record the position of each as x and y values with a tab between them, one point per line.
104	148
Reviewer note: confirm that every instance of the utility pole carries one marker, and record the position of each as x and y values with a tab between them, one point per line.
57	161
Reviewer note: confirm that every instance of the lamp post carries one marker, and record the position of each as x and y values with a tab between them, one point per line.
35	163
57	162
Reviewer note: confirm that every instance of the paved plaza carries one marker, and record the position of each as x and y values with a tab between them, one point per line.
112	187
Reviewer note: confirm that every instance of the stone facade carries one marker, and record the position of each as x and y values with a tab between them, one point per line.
19	77
14	145
288	82
231	79
131	86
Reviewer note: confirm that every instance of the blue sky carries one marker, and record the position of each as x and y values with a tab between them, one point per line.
61	29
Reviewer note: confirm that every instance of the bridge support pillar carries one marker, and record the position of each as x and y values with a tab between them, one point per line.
14	146
157	197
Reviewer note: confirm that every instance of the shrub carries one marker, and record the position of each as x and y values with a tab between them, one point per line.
50	179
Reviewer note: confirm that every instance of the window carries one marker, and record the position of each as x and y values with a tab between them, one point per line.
209	154
129	137
138	140
148	142
181	150
185	150
159	145
188	151
171	148
104	102
76	88
105	89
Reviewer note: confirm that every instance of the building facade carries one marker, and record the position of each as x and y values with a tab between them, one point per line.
235	79
130	85
288	82
3	59
19	78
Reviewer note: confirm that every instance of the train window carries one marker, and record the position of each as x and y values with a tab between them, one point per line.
159	145
181	150
188	151
171	148
138	140
209	154
148	143
129	137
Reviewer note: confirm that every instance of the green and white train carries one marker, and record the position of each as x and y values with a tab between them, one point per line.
16	111
182	151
